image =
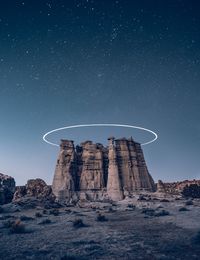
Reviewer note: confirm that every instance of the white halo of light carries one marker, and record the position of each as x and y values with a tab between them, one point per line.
97	125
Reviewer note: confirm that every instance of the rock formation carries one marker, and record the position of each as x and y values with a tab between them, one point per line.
65	177
160	186
92	171
7	188
35	193
114	186
34	188
175	188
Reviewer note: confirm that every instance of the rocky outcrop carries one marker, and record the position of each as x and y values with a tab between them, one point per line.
160	187
96	172
35	189
7	188
175	188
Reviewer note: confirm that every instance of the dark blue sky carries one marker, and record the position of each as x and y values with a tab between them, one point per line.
75	62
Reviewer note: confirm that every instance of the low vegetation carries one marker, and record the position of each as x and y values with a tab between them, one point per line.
18	227
191	191
8	223
78	223
164	200
196	238
101	218
189	203
148	211
153	213
26	218
183	209
45	221
54	212
38	215
161	213
131	206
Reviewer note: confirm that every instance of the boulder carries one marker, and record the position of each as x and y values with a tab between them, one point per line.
38	188
35	192
7	188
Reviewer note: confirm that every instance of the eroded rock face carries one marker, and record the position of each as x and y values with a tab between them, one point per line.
91	172
36	188
64	181
114	185
7	188
98	172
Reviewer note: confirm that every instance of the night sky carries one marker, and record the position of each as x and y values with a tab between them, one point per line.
99	61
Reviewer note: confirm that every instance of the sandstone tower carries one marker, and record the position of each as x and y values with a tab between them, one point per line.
65	174
114	187
94	172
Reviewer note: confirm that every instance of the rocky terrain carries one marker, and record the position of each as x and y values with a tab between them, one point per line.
146	225
142	227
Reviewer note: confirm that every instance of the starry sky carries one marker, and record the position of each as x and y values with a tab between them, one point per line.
72	62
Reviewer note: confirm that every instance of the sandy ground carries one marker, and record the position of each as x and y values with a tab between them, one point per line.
129	233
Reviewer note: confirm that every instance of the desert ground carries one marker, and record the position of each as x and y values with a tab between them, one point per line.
135	228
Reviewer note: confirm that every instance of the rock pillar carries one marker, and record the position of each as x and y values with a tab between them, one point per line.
63	185
92	172
114	188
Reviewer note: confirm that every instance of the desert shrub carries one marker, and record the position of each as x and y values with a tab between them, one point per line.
183	209
25	218
101	218
191	191
54	212
38	215
6	217
68	210
148	211
155	199
110	209
131	206
153	213
196	238
69	257
141	197
164	200
77	223
189	203
45	221
161	213
8	223
18	227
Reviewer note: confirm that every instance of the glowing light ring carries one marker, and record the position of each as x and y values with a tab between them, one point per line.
95	125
